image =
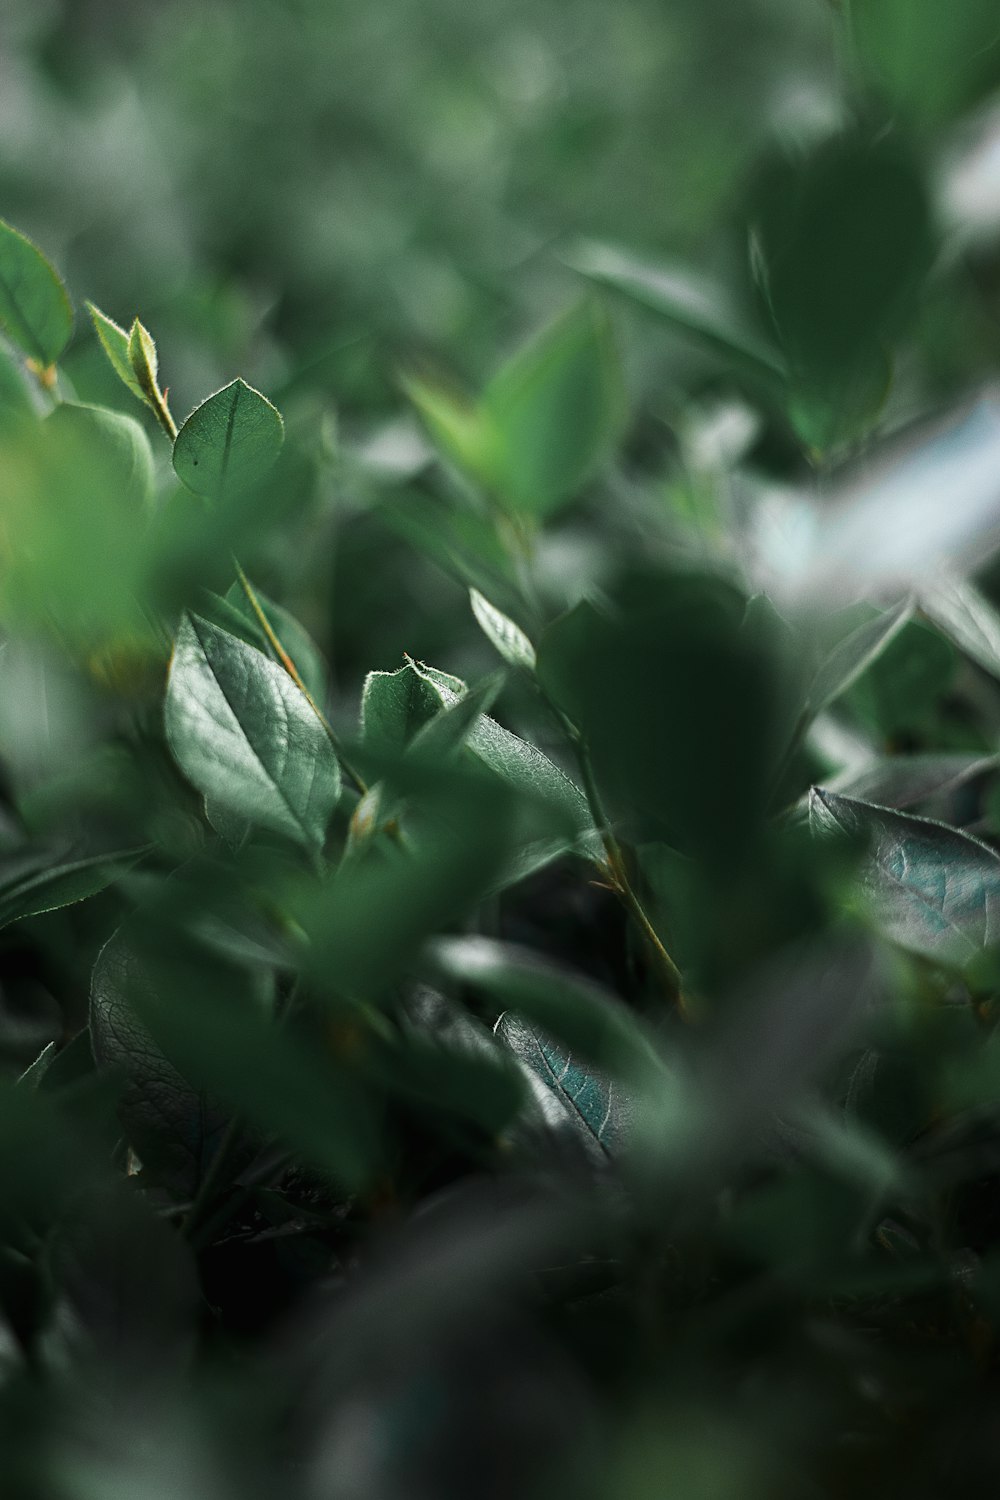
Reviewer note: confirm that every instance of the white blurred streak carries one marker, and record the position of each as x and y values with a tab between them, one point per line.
930	506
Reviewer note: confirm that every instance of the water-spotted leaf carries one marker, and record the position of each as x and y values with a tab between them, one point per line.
852	656
36	882
35	309
688	299
228	443
246	736
930	888
967	617
509	639
568	1096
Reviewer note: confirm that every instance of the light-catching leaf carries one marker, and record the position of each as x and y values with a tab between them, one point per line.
930	888
966	617
115	343
228	443
245	735
904	781
35	883
568	1096
509	639
35	309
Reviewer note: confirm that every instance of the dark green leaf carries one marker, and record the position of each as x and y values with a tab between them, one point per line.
35	309
568	1096
228	443
930	888
32	883
245	735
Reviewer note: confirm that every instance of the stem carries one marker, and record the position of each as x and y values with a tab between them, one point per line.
293	672
617	869
162	413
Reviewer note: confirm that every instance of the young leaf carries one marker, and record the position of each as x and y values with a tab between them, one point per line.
228	442
144	362
931	888
554	411
569	1096
246	737
115	343
508	638
35	310
32	884
686	298
395	705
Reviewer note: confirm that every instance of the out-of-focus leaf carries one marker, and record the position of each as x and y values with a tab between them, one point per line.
845	239
35	309
568	1095
228	443
16	406
852	656
246	736
904	781
34	883
573	1010
554	412
126	1299
930	61
903	689
686	298
501	632
457	426
930	888
173	1128
966	617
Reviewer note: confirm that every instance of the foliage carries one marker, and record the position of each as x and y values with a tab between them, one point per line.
511	1004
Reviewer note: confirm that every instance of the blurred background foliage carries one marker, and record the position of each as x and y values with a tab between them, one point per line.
670	329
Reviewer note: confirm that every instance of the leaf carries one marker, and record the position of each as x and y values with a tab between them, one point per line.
295	640
31	884
518	762
568	1096
115	343
852	656
686	298
394	705
35	309
451	727
554	411
246	737
903	781
930	888
967	617
509	639
931	61
173	1127
456	426
228	443
573	1010
145	364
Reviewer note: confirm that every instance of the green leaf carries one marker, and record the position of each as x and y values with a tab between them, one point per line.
573	1010
115	343
35	309
228	443
554	412
930	888
688	299
932	61
174	1128
852	656
967	617
32	884
518	762
501	632
143	359
844	237
295	640
246	737
569	1097
395	705
456	426
451	727
904	781
16	406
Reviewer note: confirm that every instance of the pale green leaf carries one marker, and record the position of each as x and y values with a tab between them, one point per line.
508	639
115	343
35	309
